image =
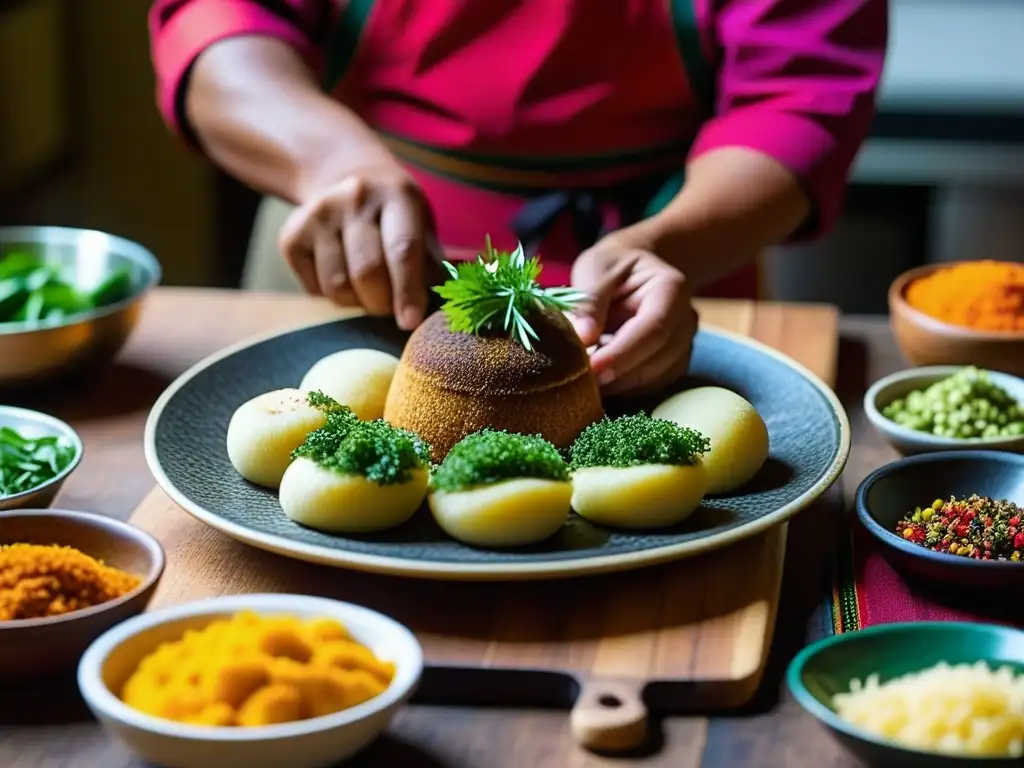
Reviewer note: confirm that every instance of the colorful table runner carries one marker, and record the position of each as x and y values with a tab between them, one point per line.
867	591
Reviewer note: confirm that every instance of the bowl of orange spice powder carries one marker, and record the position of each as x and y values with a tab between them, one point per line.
65	578
251	680
961	313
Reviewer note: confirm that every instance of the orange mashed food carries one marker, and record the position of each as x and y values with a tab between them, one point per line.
251	670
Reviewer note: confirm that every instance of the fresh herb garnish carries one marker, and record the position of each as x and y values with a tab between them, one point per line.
374	449
630	441
500	290
27	463
33	291
490	456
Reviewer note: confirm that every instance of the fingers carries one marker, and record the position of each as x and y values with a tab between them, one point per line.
667	366
296	246
592	275
401	234
329	258
657	316
368	273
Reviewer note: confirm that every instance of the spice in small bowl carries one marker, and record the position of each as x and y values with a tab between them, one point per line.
967	404
985	295
249	670
977	527
42	580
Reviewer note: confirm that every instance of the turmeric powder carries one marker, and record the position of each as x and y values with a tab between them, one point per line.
982	295
48	580
250	670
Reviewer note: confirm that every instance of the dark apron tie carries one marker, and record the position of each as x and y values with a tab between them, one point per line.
635	200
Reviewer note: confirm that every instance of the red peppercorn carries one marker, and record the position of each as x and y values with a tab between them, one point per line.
1018	541
961	530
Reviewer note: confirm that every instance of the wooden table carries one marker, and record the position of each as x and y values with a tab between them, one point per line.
51	729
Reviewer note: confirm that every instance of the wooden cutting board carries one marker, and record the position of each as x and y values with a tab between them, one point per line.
689	636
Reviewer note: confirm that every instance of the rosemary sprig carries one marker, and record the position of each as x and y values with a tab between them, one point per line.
500	289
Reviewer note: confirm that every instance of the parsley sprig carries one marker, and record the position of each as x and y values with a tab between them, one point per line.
500	289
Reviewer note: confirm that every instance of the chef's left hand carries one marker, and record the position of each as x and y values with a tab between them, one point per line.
641	305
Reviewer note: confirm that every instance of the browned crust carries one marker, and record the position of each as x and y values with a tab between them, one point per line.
493	363
442	417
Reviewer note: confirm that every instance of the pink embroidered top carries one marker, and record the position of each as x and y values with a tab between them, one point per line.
553	121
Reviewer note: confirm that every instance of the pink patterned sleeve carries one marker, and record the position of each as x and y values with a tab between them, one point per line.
796	81
180	30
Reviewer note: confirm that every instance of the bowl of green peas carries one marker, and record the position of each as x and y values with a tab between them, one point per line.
69	299
947	408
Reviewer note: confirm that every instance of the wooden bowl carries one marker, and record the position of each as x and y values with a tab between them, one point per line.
826	668
890	492
927	341
318	741
31	649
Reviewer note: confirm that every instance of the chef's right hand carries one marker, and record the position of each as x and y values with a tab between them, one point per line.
365	241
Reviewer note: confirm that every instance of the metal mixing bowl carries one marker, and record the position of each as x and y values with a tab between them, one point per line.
85	257
33	424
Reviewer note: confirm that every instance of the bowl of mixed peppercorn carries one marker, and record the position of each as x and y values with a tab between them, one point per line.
954	517
948	408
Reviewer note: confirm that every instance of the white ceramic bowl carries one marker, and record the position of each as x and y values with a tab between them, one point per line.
321	741
33	424
909	441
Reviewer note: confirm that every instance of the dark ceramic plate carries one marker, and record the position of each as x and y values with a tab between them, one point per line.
890	492
185	448
890	650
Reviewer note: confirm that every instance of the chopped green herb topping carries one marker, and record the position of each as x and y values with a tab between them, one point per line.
27	463
376	450
490	456
500	290
630	441
329	405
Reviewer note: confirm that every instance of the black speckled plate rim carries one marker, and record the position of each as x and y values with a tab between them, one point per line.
499	571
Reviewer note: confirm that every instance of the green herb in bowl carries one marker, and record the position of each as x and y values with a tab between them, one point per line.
967	404
29	462
33	291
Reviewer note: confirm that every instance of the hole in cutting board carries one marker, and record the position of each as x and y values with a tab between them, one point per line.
609	701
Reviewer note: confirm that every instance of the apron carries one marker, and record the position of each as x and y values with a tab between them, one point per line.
550	122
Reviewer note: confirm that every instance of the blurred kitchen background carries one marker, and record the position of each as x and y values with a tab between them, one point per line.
942	177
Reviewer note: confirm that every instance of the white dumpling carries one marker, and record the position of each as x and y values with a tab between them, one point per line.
264	431
508	513
645	496
358	378
338	503
738	435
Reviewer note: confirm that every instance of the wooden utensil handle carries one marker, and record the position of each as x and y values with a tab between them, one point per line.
609	715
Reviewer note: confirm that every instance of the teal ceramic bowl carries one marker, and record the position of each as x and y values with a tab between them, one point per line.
826	668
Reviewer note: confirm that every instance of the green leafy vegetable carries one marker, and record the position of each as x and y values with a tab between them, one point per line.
500	290
376	450
630	441
26	463
32	291
490	456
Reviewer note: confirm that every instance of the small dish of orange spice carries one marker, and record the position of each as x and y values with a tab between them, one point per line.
252	670
985	296
39	581
255	680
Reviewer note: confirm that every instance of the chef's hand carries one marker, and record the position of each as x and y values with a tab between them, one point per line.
643	303
365	241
